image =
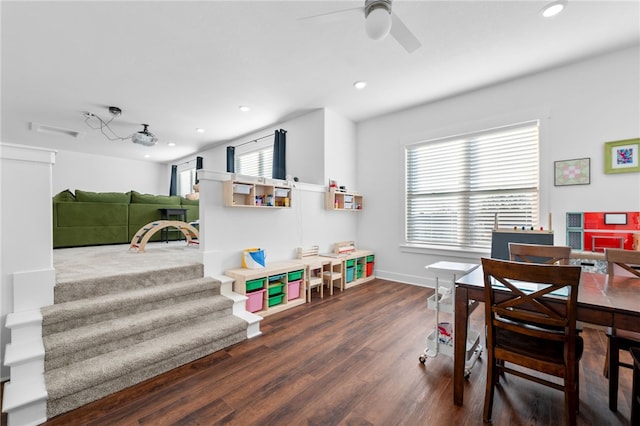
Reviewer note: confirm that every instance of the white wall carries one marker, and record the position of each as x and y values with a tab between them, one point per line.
581	106
226	231
97	173
340	151
26	256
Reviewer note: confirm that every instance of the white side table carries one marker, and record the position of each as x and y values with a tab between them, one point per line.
440	340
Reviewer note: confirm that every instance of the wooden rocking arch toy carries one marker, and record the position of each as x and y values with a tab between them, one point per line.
140	239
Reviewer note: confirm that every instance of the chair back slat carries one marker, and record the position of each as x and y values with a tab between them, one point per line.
302	253
539	253
629	260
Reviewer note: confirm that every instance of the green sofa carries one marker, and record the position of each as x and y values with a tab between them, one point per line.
94	218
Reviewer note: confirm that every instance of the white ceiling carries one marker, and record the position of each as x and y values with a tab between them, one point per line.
180	65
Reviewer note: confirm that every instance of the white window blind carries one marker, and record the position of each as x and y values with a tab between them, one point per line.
255	163
455	186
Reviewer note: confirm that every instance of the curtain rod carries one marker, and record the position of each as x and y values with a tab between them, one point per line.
255	140
195	160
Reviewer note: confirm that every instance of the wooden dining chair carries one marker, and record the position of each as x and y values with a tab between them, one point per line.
539	253
635	387
619	262
534	329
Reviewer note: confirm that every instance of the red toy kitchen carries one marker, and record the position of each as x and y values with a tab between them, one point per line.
595	231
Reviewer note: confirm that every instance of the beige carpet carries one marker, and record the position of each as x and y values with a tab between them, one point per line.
81	263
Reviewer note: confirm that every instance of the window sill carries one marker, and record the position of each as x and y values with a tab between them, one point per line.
469	253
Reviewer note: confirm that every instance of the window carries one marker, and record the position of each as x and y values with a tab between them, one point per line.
186	180
455	186
255	163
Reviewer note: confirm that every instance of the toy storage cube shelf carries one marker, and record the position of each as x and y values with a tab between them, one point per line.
336	200
271	289
252	194
358	267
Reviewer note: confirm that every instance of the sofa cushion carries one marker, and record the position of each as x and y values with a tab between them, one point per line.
89	236
190	200
76	215
102	197
64	197
167	200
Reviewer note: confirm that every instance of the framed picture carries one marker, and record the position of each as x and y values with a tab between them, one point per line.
622	156
573	172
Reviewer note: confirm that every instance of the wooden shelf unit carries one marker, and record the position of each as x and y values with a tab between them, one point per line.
252	194
243	276
338	200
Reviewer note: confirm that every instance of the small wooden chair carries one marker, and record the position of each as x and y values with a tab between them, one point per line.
524	329
313	271
619	262
539	253
333	272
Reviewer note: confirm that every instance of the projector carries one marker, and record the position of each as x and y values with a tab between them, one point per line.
144	137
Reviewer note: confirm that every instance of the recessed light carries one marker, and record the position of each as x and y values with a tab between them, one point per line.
244	108
147	156
171	144
360	85
553	8
199	130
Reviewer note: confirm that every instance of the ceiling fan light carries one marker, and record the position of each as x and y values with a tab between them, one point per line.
378	23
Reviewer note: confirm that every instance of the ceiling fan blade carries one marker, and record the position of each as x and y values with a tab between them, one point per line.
403	35
324	15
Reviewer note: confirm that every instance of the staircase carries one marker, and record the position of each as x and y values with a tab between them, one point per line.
103	335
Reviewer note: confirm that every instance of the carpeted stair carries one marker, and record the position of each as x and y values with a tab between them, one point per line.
103	335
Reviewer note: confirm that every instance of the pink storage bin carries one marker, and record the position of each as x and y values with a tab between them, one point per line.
255	300
293	290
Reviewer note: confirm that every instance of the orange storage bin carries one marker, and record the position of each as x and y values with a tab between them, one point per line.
369	269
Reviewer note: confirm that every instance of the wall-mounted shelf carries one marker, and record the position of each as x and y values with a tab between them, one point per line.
252	194
338	200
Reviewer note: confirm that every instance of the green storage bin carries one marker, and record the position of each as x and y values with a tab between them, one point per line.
276	300
275	289
295	275
370	258
254	284
351	262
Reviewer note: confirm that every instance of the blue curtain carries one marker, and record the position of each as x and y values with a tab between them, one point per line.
198	167
231	159
173	185
279	154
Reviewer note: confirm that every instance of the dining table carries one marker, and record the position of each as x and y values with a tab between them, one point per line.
602	300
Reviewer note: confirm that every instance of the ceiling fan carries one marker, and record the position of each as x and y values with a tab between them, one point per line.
380	21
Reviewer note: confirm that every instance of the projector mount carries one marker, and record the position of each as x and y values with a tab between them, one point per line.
143	137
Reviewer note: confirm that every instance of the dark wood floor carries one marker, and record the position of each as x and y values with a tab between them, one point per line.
350	359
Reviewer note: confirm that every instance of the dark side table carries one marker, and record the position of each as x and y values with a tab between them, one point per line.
171	214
